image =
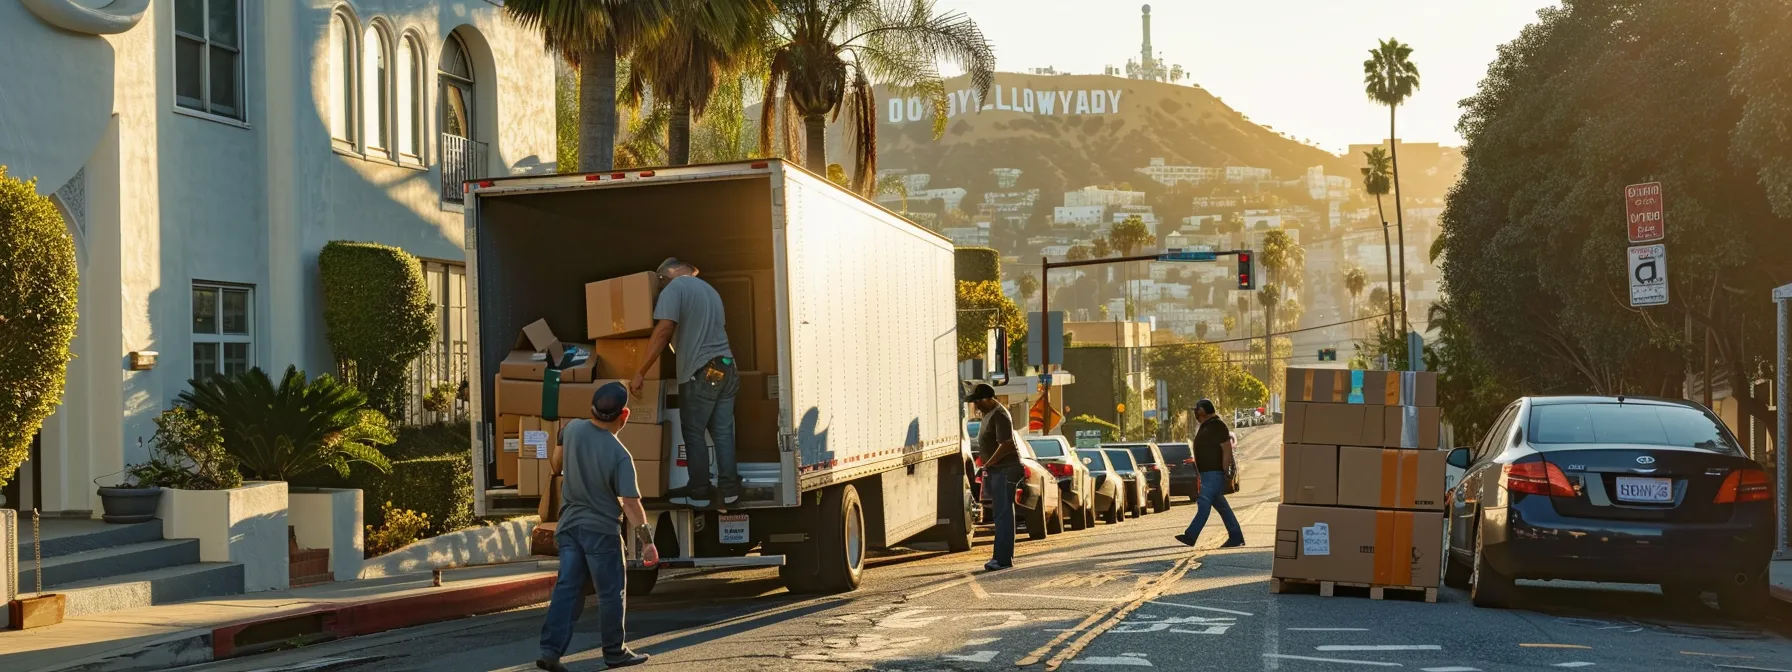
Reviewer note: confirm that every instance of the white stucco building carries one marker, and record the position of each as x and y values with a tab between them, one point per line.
1099	196
202	152
1171	176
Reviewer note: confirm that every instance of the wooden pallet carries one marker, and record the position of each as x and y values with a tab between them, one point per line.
1329	588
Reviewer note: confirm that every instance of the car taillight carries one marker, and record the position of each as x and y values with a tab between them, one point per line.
1537	478
1189	461
1154	467
1744	485
1060	470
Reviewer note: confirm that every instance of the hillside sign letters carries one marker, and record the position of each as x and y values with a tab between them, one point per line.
1040	102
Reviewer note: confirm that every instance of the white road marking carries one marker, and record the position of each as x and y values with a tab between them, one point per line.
1103	600
1200	626
918	595
1378	647
1376	663
1328	629
1751	669
1132	659
1190	606
1574	664
1452	669
978	657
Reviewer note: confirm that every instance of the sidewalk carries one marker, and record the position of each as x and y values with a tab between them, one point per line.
162	637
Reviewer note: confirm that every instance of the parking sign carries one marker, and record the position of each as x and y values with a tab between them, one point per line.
1648	275
1645	211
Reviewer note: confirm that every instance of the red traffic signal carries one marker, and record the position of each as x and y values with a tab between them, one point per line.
1246	278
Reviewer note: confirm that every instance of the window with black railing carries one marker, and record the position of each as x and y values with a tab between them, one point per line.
436	384
462	159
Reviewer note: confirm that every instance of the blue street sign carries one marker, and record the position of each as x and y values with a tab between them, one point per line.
1181	255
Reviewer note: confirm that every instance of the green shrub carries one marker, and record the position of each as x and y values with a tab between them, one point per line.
982	305
38	282
188	454
441	487
296	428
442	439
977	264
377	317
1110	432
402	527
440	399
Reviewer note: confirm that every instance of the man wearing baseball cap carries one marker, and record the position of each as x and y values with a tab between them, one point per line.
600	492
1001	469
689	316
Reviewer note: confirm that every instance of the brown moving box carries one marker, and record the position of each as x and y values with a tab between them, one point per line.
621	307
1390	478
621	358
1332	424
1330	386
524	397
540	441
1382	388
1309	474
508	447
646	443
536	346
1410	427
1383	548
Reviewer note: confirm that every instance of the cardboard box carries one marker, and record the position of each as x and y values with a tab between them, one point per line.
1383	548
621	358
539	442
621	307
1332	424
1309	474
1380	388
644	441
1330	386
537	350
524	397
756	418
1412	427
1389	478
508	447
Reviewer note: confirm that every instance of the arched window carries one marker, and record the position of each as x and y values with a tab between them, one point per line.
457	89
376	88
410	98
342	77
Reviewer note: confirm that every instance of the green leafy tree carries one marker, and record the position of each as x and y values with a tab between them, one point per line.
377	317
593	36
1377	177
982	305
1244	390
1389	78
38	283
279	432
1079	253
825	54
1029	285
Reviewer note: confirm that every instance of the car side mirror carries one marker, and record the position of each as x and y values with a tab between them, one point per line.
1458	458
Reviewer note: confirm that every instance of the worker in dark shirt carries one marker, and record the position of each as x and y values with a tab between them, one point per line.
1001	469
1213	458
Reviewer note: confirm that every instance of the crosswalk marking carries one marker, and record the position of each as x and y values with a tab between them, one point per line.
1191	606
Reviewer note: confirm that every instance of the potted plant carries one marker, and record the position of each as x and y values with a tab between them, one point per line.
187	452
133	500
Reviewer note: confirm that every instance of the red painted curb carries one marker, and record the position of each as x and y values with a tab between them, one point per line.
332	621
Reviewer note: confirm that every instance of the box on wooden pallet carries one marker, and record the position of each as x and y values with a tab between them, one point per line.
1309	474
1381	388
1381	548
1390	478
1413	427
621	307
1332	424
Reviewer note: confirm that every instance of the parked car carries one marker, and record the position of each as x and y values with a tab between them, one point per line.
1151	464
1619	489
1110	487
1037	499
1185	477
1137	492
1076	486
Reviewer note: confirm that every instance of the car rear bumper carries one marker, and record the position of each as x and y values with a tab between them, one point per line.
1530	541
1181	485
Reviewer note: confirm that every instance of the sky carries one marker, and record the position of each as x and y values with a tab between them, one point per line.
1295	65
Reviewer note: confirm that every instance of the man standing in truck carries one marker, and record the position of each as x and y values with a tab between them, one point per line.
1001	469
689	316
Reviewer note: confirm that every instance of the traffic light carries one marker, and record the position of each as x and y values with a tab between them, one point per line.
1246	278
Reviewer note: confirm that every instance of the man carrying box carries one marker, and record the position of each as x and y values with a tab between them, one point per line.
689	316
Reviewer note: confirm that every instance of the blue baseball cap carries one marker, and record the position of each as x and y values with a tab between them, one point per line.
608	402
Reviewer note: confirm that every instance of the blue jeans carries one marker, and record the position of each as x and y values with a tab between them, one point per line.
1000	486
585	553
1213	496
709	407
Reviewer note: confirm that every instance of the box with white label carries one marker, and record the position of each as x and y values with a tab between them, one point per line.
1376	547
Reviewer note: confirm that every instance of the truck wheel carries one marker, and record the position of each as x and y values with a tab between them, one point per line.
641	581
798	571
841	540
959	530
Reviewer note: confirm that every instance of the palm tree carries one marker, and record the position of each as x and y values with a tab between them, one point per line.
1376	178
1130	234
1100	247
824	54
1078	253
592	36
1354	282
1029	285
703	42
1201	331
1389	77
1269	295
1230	323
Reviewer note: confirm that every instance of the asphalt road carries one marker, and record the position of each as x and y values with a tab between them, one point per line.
1117	597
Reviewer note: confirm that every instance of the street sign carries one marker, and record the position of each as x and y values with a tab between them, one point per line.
1648	275
1178	254
1034	331
1644	209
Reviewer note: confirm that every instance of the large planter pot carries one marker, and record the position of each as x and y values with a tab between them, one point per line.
130	505
329	518
245	525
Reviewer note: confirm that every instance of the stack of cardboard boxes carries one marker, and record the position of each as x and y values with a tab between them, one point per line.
543	385
1362	480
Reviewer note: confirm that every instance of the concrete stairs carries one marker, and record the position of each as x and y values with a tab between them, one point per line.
105	568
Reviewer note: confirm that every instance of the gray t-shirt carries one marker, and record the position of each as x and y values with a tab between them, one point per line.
702	326
599	471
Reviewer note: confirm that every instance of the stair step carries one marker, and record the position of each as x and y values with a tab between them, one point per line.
67	537
165	585
107	562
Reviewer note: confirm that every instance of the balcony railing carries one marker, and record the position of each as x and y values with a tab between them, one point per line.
462	159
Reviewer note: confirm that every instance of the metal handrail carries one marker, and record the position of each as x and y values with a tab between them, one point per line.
463	159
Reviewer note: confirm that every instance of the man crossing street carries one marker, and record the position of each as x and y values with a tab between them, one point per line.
1213	458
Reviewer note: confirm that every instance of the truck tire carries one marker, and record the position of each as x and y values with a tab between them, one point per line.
798	571
840	540
959	528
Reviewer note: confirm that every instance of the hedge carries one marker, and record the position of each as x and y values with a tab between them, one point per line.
430	474
38	284
977	264
377	317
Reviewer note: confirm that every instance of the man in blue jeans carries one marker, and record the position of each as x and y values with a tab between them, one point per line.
1001	470
690	317
1213	457
600	491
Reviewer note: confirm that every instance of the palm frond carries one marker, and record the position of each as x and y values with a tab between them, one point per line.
861	133
572	26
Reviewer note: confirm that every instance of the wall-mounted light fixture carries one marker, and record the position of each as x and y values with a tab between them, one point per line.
143	360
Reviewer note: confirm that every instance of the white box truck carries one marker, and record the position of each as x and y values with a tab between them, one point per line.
842	319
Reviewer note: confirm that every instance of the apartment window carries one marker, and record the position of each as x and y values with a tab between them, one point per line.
223	340
342	77
376	88
410	97
445	362
208	56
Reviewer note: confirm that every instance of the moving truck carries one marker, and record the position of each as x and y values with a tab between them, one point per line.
842	319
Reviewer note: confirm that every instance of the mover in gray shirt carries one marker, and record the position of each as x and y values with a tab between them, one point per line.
600	491
690	317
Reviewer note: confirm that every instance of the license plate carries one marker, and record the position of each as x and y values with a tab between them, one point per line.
1633	489
733	529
